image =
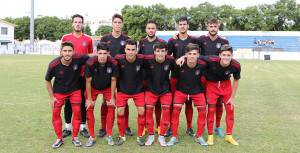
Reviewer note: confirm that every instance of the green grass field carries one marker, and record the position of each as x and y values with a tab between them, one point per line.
267	116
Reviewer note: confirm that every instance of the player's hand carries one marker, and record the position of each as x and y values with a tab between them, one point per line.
175	36
52	101
231	101
180	61
112	101
88	103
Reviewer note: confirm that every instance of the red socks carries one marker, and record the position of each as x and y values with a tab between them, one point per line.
121	122
149	119
126	116
219	113
141	124
110	119
91	120
175	119
76	120
229	118
56	121
165	119
201	120
103	115
211	118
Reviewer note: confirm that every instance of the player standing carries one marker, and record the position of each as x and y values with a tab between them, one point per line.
82	44
66	70
130	85
189	87
146	47
158	86
116	41
177	47
101	72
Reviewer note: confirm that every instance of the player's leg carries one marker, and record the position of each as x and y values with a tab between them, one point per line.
151	100
110	116
166	101
158	112
83	130
56	119
200	103
139	100
75	99
173	82
68	117
127	128
189	117
219	113
179	100
103	112
121	103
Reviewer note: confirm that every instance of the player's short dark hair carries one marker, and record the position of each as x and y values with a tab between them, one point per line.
191	47
150	21
103	46
183	18
116	15
130	42
213	20
77	16
160	45
226	47
67	43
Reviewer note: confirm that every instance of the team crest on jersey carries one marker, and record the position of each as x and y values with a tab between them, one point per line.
138	68
218	45
75	67
197	72
109	70
166	67
122	43
227	72
83	43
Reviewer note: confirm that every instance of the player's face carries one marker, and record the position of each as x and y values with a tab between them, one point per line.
151	30
213	29
183	26
130	51
102	56
192	56
226	57
160	54
67	53
77	24
117	25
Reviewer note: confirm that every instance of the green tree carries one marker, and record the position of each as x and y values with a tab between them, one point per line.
103	30
46	28
22	30
87	30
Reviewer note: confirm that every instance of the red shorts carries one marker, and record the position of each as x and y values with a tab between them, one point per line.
173	82
152	98
180	98
106	93
139	99
215	90
75	98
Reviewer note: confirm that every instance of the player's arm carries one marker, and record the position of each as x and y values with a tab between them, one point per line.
88	87
113	90
180	60
234	89
50	91
176	35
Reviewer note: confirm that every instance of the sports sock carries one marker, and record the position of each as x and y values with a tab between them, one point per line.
165	119
76	120
201	120
110	119
149	119
103	115
57	122
219	113
141	124
90	121
210	118
189	113
175	120
229	119
68	126
120	121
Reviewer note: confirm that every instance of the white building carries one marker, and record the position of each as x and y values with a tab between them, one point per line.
6	37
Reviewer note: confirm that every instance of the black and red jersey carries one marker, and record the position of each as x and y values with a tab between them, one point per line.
189	79
146	47
130	80
101	75
215	72
66	77
116	45
158	81
209	47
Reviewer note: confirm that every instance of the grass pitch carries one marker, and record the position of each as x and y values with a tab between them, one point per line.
266	116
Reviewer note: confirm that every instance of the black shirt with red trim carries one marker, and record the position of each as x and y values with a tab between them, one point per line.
116	45
146	47
66	77
215	72
130	79
158	81
209	47
101	75
189	79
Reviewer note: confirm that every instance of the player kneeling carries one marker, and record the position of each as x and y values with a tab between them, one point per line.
100	73
189	87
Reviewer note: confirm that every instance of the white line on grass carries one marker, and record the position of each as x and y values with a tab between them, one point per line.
256	67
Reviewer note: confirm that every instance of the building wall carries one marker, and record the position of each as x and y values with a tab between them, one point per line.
9	49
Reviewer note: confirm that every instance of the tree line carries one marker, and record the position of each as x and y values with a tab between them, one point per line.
284	15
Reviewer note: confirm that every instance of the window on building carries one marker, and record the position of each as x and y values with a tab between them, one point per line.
4	31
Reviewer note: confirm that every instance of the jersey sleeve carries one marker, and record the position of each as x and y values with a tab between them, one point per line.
49	74
141	51
204	58
88	70
170	47
237	73
84	59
